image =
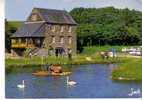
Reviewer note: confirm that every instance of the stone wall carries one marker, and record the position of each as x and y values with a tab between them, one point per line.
56	32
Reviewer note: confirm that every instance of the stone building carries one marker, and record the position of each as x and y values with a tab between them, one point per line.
46	30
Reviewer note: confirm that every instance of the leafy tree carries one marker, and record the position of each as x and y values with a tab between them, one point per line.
9	30
108	26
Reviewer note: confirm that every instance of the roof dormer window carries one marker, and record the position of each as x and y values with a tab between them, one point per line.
34	17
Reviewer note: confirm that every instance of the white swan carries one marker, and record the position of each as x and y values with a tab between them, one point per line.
71	83
138	91
21	86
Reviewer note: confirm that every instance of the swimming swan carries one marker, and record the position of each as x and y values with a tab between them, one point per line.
138	91
21	86
71	83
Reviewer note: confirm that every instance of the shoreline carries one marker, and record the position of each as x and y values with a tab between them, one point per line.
129	69
70	63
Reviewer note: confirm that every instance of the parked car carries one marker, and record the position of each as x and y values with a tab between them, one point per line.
136	53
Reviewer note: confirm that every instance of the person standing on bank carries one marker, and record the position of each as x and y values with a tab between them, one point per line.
70	54
30	55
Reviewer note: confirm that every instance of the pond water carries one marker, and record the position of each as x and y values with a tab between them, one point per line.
92	82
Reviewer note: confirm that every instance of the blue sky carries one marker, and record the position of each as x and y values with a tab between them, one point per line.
20	9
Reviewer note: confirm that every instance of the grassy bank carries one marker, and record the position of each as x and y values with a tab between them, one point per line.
131	69
79	59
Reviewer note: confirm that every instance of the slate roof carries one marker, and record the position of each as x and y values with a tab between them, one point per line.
30	30
56	16
49	16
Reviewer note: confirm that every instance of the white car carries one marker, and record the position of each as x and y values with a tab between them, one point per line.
137	53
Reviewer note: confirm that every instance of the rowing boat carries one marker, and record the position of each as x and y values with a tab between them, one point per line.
46	73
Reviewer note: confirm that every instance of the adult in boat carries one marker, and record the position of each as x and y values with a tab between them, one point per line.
55	69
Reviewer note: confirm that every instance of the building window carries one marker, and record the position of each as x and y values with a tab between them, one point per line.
53	39
19	40
62	28
38	41
70	29
13	41
30	41
23	40
70	39
51	51
53	28
49	27
61	40
34	17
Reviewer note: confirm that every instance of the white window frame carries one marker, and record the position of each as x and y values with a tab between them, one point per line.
53	39
70	29
62	28
53	28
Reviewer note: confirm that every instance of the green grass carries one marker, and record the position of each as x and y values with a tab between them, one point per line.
130	69
79	59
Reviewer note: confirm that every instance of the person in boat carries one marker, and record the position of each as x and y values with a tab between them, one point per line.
55	69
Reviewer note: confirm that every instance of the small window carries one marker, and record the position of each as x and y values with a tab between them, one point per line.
61	40
49	27
53	39
53	28
19	40
23	40
70	39
13	41
62	28
30	41
34	17
38	41
70	29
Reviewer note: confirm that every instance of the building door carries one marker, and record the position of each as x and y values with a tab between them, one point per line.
59	51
